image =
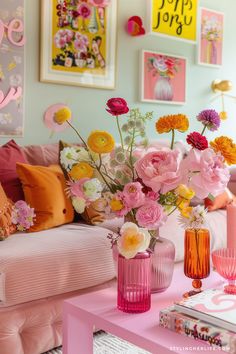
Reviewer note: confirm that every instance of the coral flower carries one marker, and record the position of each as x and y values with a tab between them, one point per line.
63	115
81	170
197	141
226	147
101	142
172	122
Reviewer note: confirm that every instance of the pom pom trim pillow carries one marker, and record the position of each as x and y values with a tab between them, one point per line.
44	190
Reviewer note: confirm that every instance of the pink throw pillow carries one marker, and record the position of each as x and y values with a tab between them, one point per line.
42	155
10	154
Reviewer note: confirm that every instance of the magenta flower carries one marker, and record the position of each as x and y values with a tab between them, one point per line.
84	10
210	119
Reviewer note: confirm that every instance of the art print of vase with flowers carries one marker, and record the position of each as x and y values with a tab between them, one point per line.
164	67
212	32
145	182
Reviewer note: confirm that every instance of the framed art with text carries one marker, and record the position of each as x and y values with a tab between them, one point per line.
12	44
210	43
163	78
78	42
174	18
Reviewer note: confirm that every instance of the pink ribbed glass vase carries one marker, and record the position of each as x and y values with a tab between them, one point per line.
133	286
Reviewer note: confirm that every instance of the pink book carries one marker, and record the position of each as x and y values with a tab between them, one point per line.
194	328
212	306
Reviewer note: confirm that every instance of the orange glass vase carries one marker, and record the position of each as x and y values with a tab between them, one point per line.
196	257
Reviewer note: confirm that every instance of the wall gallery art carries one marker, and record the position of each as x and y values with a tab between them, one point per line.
175	18
12	42
210	45
78	42
163	78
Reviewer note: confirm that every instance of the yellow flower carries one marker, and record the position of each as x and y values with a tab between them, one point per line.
62	115
185	212
223	115
167	123
116	205
182	203
101	142
185	192
81	170
226	147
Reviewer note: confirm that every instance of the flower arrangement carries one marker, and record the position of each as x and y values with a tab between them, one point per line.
22	215
163	65
141	183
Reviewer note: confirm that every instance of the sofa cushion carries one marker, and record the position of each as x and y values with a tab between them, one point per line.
47	263
43	155
6	225
10	154
44	189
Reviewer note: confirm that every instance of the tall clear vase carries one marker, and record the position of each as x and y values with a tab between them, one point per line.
163	89
162	263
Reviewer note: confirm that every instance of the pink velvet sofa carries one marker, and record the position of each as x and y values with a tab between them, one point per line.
39	270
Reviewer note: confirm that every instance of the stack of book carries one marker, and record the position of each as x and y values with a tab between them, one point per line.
209	316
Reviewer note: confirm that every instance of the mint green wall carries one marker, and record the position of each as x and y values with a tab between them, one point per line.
88	105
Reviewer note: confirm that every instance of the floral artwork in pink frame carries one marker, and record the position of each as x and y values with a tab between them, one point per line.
211	38
163	78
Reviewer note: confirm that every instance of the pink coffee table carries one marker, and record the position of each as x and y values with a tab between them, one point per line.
82	313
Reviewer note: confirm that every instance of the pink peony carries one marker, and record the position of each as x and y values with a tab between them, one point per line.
133	194
204	172
151	215
159	170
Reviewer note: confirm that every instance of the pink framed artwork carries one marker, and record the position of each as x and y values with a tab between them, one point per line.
210	44
163	78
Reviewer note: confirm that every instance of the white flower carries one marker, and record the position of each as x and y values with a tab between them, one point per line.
196	219
79	204
68	157
92	189
132	240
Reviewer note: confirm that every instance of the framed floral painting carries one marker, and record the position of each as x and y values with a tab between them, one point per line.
163	78
210	43
78	42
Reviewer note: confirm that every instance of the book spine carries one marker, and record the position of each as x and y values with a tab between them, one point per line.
197	329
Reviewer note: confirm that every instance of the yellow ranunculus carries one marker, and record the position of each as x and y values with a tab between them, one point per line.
116	205
185	192
62	115
81	170
101	142
185	212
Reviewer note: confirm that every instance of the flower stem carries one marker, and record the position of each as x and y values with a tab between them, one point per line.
120	133
83	141
203	130
172	139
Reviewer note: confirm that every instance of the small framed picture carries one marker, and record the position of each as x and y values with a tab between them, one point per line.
163	78
210	42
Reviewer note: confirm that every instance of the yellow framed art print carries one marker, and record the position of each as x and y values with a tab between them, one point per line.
78	42
174	18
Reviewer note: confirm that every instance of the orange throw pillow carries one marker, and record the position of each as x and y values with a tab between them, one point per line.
220	201
6	225
44	190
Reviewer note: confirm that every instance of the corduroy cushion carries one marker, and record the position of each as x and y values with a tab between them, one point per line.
44	190
6	225
10	154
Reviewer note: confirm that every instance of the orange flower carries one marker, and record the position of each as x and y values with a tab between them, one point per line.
101	142
167	123
226	147
81	170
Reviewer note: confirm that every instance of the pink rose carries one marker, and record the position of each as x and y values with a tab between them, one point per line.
204	172
133	194
117	106
159	170
151	215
